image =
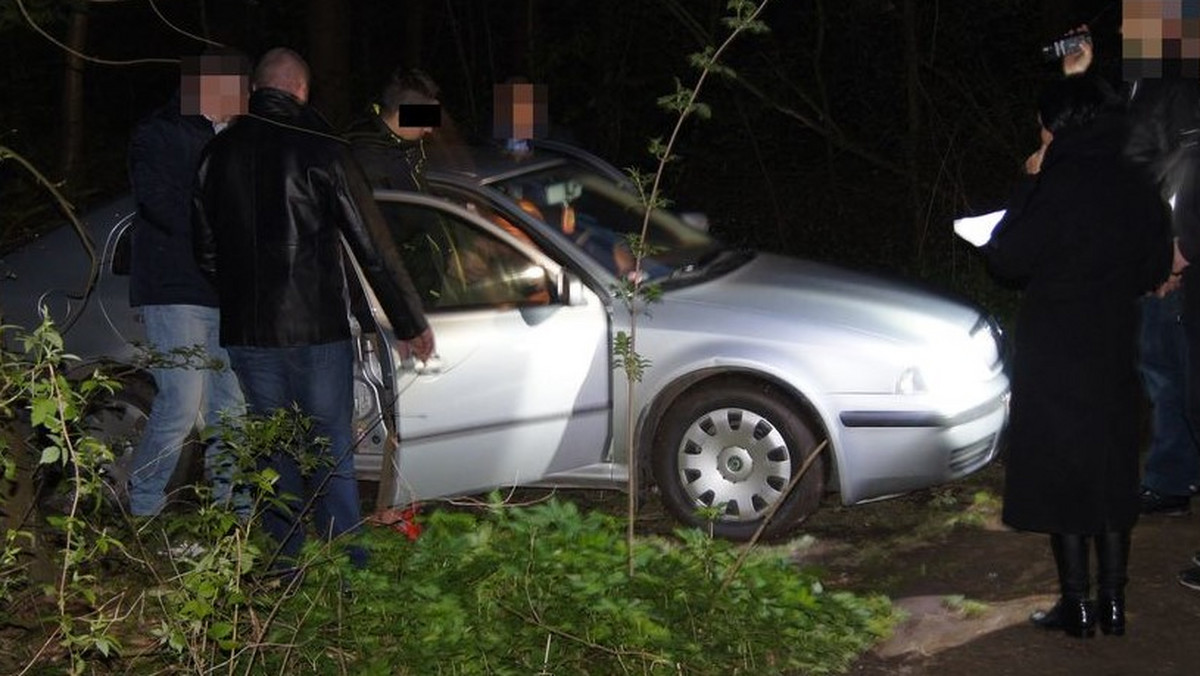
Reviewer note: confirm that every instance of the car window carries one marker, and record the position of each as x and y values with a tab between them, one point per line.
599	216
455	264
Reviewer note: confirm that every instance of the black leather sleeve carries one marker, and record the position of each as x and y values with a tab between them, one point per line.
367	235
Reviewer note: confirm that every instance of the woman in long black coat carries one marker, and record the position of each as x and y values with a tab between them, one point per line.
1087	234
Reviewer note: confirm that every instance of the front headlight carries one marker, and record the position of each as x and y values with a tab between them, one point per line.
985	343
942	368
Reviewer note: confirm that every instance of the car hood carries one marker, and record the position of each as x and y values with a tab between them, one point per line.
779	288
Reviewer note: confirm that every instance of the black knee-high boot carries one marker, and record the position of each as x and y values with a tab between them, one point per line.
1112	558
1073	613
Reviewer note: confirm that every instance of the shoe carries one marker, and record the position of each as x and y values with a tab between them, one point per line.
1190	578
1112	558
1110	615
1077	617
1166	505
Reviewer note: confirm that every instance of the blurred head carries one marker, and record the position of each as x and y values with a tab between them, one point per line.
1160	38
519	110
1074	103
215	84
409	104
285	70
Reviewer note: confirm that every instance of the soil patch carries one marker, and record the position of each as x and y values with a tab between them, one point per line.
968	589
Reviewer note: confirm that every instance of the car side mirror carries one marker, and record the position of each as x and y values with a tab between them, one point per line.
696	220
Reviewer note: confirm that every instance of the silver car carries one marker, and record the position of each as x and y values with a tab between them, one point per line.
754	359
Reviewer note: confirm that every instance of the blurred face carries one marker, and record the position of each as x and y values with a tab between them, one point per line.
1160	38
413	121
519	111
216	97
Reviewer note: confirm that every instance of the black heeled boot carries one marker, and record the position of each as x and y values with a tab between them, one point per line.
1074	613
1112	557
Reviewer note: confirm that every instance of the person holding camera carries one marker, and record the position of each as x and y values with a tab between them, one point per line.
1086	234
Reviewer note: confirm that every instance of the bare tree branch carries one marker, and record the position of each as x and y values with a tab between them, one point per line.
177	29
109	62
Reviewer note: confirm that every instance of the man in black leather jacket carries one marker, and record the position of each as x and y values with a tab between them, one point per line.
276	194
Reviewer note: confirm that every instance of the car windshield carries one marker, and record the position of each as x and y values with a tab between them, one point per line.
600	216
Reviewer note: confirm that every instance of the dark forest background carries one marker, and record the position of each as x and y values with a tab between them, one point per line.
853	132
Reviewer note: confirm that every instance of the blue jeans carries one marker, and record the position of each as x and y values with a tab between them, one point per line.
192	391
320	380
1173	461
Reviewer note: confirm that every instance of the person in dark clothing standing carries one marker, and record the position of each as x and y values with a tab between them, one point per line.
1087	234
1164	123
389	142
1181	118
178	305
1164	140
275	197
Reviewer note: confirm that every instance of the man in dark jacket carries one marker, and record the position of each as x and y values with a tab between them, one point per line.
275	197
1164	124
178	305
388	143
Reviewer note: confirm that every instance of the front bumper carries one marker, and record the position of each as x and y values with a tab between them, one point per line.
885	452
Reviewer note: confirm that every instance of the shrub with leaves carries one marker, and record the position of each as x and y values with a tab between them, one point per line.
543	590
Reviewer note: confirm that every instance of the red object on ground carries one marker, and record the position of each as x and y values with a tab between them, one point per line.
402	521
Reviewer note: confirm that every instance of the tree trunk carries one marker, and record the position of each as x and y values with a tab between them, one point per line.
72	93
329	57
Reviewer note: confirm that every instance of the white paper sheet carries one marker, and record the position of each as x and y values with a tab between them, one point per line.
977	229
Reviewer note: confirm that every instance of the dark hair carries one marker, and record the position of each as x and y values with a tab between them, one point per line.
1073	102
407	86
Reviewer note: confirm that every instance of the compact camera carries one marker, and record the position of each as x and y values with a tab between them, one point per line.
1068	44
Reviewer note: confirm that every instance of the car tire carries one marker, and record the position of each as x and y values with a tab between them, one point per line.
737	443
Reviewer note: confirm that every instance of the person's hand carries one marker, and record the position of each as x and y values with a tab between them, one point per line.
1179	263
1077	63
422	346
1171	285
1033	163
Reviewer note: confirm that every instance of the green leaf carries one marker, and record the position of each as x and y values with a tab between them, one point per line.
42	412
50	455
220	630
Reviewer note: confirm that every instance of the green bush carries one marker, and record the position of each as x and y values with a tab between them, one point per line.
544	590
514	590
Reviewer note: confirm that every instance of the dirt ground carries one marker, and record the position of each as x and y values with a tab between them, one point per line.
969	589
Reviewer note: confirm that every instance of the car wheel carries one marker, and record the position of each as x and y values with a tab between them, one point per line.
735	446
116	419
